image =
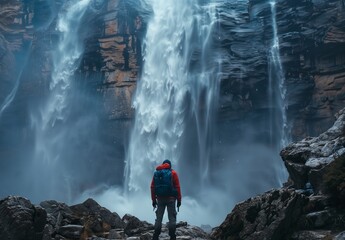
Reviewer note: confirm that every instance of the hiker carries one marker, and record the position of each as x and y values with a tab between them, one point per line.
165	190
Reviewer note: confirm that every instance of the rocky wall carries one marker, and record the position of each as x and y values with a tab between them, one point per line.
311	41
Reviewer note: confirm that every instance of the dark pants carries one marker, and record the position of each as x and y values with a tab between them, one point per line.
170	205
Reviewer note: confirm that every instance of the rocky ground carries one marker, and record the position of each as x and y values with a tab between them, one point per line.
51	220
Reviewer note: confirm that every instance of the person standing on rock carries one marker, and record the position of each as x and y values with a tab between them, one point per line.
165	191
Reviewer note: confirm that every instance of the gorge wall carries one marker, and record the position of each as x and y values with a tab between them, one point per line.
311	37
312	49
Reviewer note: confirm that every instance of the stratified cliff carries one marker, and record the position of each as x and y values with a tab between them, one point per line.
311	37
106	77
312	48
311	40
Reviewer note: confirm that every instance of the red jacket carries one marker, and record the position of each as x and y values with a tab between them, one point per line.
175	179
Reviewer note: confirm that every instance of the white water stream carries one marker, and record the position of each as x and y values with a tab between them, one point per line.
178	32
277	97
51	134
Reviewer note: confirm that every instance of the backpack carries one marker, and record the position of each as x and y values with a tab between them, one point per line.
163	183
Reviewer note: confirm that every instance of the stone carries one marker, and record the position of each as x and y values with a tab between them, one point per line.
71	231
95	218
269	216
311	235
319	219
116	234
134	226
307	160
340	236
19	219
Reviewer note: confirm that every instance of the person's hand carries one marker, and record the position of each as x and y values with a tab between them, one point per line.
178	204
154	204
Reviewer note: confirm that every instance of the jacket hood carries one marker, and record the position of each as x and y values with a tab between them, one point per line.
163	166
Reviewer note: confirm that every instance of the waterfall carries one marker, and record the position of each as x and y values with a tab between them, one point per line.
277	96
10	97
52	136
170	92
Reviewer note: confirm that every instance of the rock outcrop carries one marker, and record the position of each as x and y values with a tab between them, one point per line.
269	216
308	159
310	206
51	220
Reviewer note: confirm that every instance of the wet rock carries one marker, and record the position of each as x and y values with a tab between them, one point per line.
71	231
319	219
312	235
340	236
269	216
95	218
19	219
59	214
134	226
308	160
53	220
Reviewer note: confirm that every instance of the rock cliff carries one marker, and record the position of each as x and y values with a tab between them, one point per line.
311	41
311	36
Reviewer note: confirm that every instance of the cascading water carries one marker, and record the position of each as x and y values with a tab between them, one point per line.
168	86
277	96
51	134
10	97
177	90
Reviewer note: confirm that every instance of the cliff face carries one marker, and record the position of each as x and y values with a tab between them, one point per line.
311	41
105	81
313	53
113	47
311	36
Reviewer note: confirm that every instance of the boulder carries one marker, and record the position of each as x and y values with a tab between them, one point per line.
269	216
134	226
95	218
20	220
308	160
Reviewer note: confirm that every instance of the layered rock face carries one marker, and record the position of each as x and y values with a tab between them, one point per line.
311	41
311	207
312	49
51	220
104	82
311	37
112	57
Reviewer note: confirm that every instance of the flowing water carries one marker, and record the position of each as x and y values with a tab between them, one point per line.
10	97
178	84
52	133
277	96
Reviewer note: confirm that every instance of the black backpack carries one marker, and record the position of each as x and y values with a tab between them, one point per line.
163	183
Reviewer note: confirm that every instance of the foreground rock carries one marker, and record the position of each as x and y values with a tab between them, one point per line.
308	160
51	220
312	207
